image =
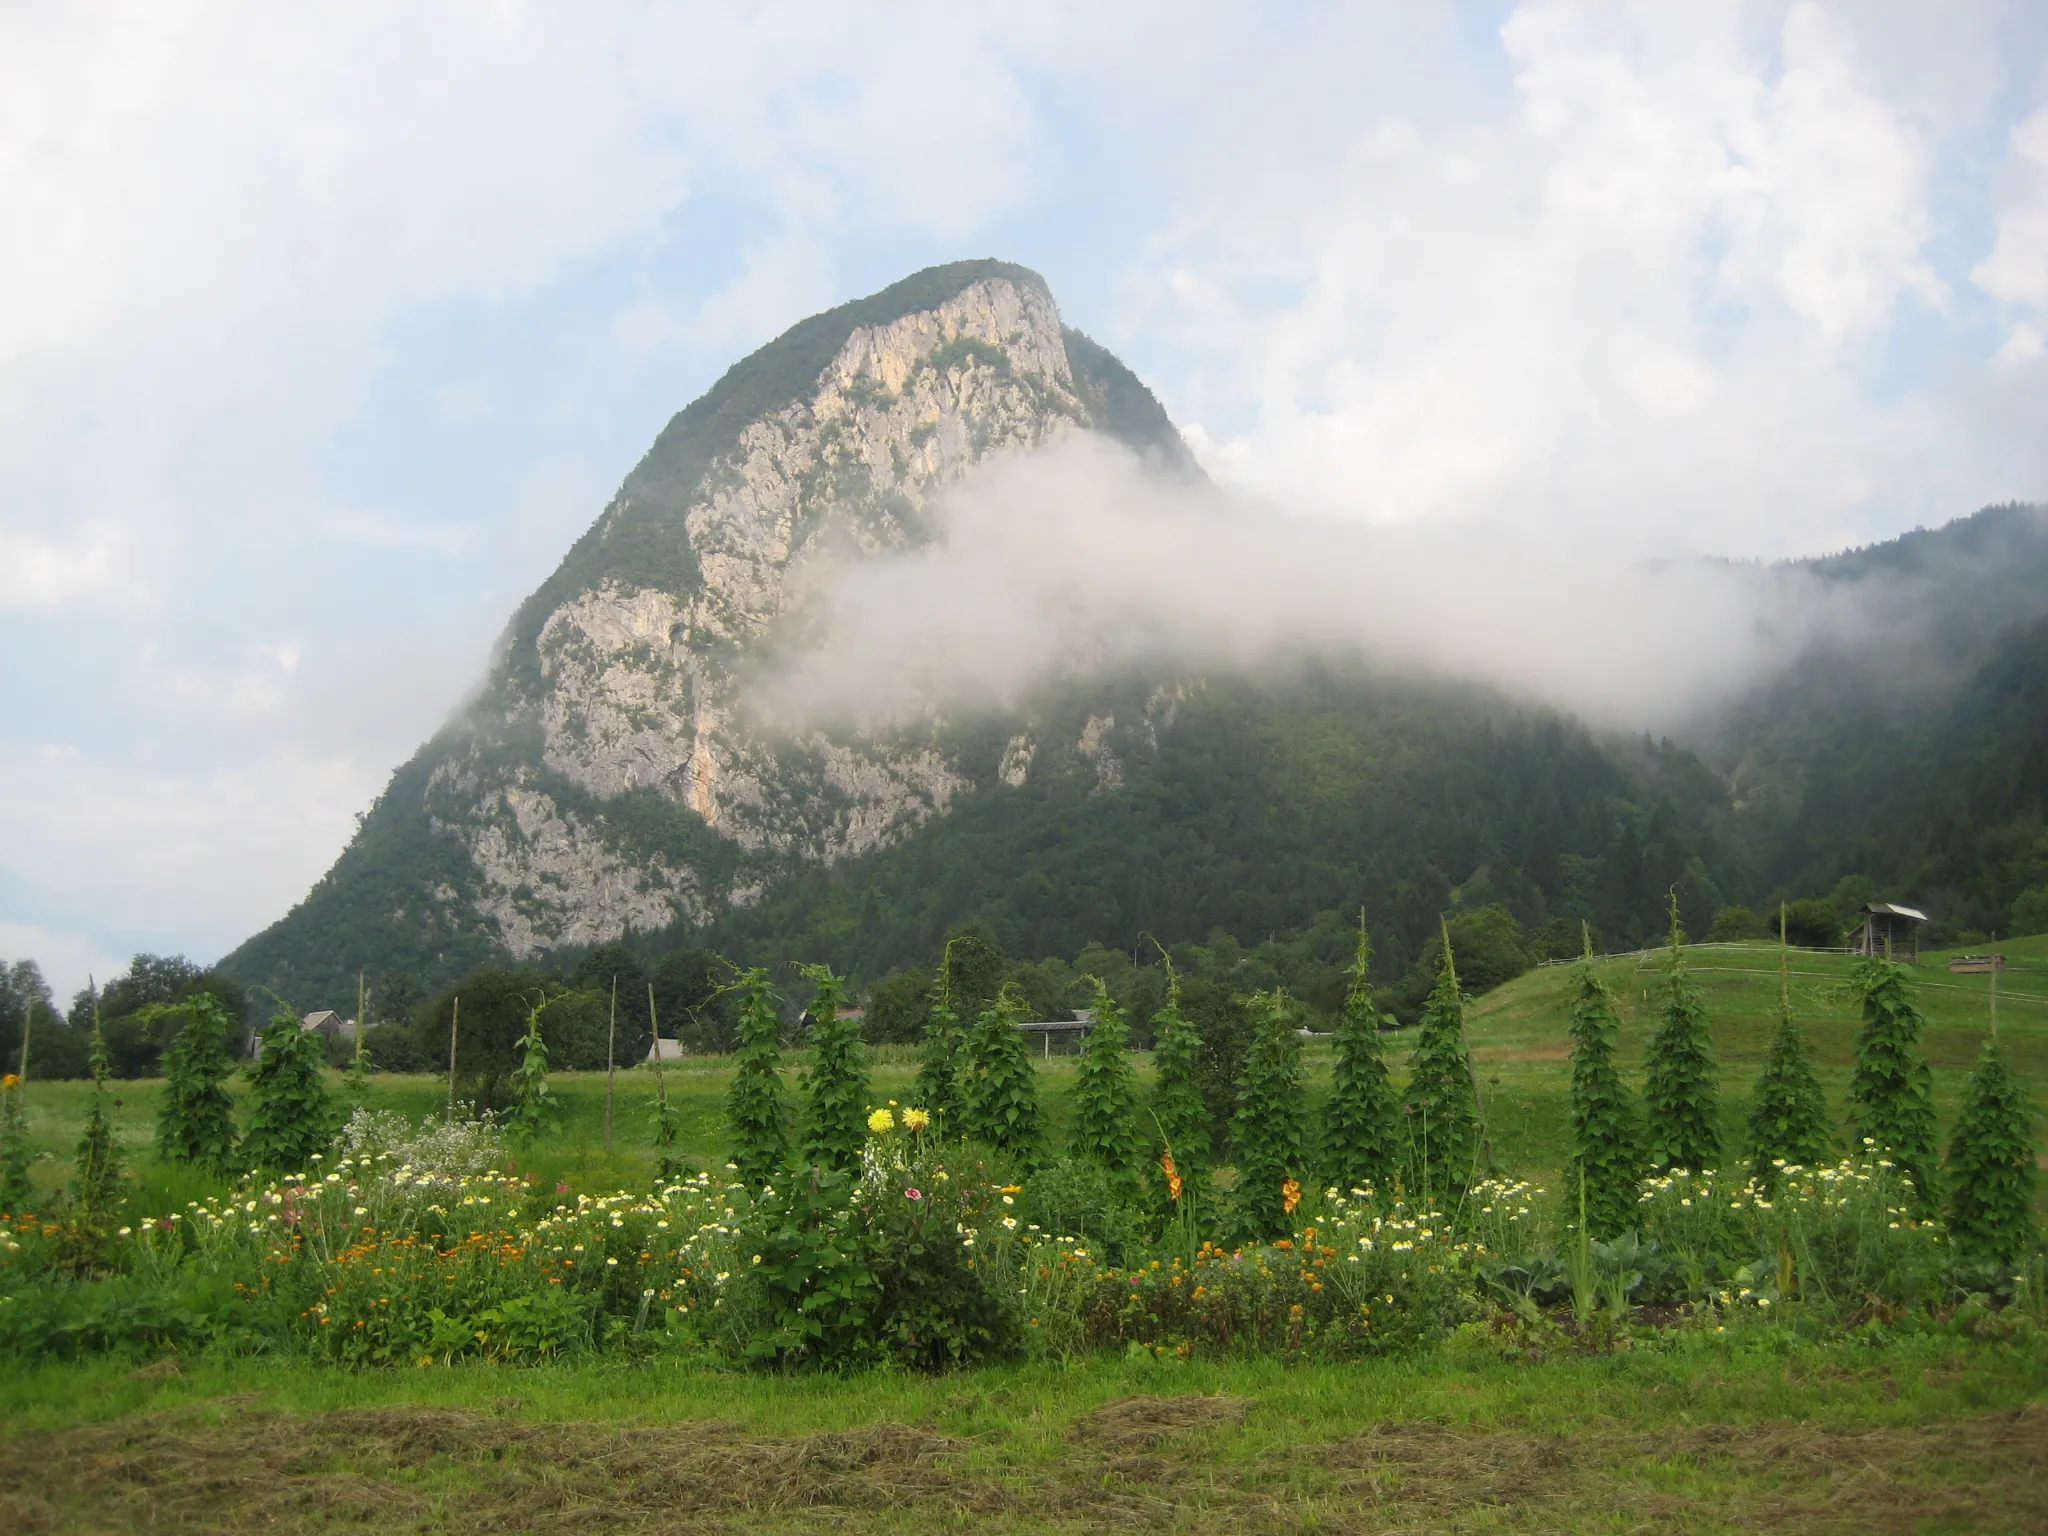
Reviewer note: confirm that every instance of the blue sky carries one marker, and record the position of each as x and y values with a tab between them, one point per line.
328	329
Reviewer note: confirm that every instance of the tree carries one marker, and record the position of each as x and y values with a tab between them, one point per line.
938	1068
999	1091
1106	1091
98	1185
1443	1105
1733	923
974	965
196	1121
1606	1162
534	1111
836	1086
899	1007
1679	1093
1890	1088
1177	1105
1788	1120
291	1116
1991	1165
488	1028
1811	924
1491	950
1361	1143
2030	910
754	1119
696	1000
1271	1126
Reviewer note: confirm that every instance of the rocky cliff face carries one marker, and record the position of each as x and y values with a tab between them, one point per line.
608	780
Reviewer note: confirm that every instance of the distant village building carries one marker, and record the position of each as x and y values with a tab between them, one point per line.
1976	965
804	1020
665	1050
1889	930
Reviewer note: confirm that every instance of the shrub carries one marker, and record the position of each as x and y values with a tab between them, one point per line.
1890	1088
395	1047
1271	1128
938	1062
1361	1140
1106	1091
1680	1100
1607	1146
196	1123
292	1117
1084	1201
1443	1112
1788	1119
1178	1110
1991	1166
534	1110
836	1086
999	1091
754	1118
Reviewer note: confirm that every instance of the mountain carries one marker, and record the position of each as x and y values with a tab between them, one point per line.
607	782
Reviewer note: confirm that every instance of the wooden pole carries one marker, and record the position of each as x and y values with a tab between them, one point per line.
1994	989
611	1038
454	1023
660	1088
362	1019
27	1019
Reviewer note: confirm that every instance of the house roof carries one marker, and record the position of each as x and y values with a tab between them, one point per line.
1887	909
322	1017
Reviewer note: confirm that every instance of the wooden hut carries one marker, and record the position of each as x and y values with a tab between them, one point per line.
1889	929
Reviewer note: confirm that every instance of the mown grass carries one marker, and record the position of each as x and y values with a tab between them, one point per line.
1743	1431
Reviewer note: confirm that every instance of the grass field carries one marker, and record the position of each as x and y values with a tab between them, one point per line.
1924	1428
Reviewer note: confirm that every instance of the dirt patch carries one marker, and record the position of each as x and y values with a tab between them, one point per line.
1135	1464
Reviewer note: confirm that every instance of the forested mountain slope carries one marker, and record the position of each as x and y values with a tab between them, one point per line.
609	783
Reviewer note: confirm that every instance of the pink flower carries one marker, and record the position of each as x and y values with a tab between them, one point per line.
561	1189
913	1194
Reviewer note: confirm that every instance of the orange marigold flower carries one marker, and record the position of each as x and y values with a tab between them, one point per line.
1173	1183
1290	1195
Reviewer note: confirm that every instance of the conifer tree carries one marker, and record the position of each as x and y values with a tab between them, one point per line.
292	1116
534	1111
1270	1127
1991	1161
938	1068
98	1185
196	1122
1443	1104
1182	1116
1890	1088
754	1117
1106	1091
1606	1163
1788	1120
836	1086
1362	1134
1680	1098
999	1093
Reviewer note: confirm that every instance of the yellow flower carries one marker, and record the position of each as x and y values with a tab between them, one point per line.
916	1120
10	1082
1290	1195
881	1120
1173	1182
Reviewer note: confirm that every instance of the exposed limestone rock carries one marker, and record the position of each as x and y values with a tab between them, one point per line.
548	881
1094	744
1016	764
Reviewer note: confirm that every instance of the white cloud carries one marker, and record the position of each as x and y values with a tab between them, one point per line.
2016	270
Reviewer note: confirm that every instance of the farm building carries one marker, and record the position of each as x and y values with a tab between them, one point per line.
331	1024
1976	965
1070	1033
1889	930
666	1049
